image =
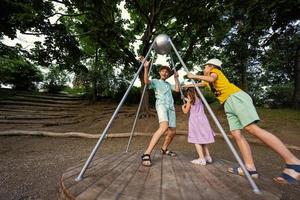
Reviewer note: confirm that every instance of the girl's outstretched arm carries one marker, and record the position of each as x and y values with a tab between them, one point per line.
187	106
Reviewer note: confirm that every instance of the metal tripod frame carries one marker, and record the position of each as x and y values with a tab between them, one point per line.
231	147
180	89
140	105
104	133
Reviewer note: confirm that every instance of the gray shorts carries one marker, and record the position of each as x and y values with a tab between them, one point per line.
166	114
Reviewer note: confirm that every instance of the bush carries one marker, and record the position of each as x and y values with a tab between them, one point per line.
19	73
55	80
278	95
133	97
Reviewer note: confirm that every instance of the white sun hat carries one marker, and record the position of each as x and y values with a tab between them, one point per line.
215	62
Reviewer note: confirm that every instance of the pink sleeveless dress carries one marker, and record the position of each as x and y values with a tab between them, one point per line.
200	131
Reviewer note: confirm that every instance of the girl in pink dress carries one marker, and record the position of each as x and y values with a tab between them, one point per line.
200	132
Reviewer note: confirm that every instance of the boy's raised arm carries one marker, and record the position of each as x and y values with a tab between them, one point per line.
146	69
146	77
177	85
186	107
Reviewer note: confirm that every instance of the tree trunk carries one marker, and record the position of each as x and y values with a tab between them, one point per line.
94	79
94	90
244	82
296	96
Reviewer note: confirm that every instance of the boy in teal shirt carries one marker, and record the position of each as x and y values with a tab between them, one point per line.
165	110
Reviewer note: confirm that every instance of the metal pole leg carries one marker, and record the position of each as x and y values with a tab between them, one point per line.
111	119
249	178
139	108
180	89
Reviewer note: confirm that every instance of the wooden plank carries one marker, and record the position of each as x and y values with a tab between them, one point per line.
216	189
119	184
94	190
203	187
238	184
169	187
186	185
121	176
96	161
267	187
68	178
152	187
94	176
235	184
70	181
135	187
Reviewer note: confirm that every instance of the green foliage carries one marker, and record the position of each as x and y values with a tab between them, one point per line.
133	97
24	15
15	70
279	95
209	96
55	80
256	40
74	90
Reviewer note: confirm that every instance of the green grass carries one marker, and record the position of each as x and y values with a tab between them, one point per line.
74	91
280	114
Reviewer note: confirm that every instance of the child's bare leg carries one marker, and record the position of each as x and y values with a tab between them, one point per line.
244	149
163	126
207	156
169	137
199	150
206	151
273	142
200	160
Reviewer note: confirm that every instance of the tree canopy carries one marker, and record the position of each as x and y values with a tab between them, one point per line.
258	41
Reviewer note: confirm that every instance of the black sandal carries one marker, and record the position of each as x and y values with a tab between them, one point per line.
240	172
168	152
146	157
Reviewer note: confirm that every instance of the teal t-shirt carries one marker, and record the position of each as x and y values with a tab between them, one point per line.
163	92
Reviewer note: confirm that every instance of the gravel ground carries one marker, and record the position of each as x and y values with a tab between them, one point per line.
32	166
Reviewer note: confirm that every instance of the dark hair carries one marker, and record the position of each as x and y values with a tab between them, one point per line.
165	67
192	93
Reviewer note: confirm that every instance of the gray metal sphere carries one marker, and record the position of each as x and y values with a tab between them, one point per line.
162	44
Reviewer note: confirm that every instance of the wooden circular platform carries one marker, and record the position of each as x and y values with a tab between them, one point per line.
121	176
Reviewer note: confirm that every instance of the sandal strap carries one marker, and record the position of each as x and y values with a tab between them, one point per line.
289	179
168	152
252	172
296	168
239	171
146	157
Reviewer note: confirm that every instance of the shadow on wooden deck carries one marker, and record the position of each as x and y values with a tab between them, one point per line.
121	176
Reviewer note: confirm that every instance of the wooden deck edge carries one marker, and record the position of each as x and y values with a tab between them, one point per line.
64	192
